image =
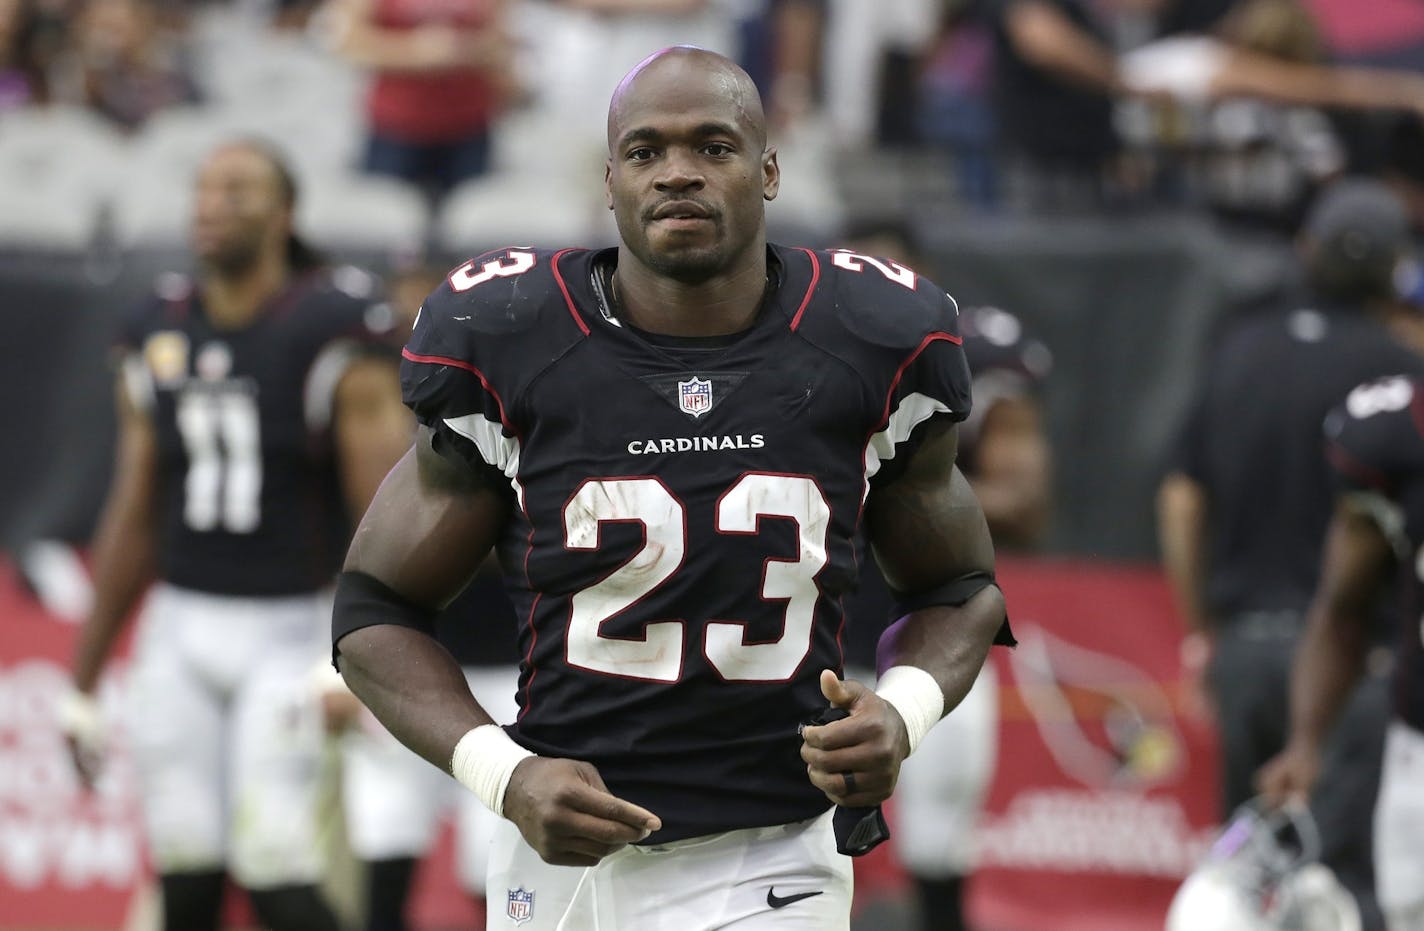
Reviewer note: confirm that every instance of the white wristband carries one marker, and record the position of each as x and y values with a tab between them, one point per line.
483	761
916	695
78	716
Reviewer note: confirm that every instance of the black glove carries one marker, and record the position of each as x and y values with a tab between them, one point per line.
858	830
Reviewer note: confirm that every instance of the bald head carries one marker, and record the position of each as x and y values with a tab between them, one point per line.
680	77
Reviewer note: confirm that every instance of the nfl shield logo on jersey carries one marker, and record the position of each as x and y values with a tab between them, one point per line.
694	396
520	906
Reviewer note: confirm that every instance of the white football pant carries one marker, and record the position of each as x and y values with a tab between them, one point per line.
1399	830
228	735
782	878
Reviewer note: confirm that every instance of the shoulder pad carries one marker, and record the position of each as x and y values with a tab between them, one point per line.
1376	433
885	303
506	312
501	292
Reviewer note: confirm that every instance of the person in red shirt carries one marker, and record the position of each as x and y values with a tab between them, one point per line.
439	68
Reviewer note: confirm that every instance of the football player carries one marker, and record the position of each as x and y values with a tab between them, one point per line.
1376	537
671	445
1243	512
1004	453
393	800
253	426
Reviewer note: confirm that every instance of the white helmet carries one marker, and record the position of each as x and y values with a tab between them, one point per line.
1262	874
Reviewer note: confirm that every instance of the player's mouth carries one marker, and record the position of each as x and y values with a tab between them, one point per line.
682	214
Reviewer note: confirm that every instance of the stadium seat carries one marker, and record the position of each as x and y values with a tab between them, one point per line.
152	205
57	165
348	212
509	208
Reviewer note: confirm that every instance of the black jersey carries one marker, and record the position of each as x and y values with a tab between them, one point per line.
1376	448
683	533
249	498
1252	440
1005	363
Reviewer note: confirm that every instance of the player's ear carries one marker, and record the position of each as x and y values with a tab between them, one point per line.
770	174
608	183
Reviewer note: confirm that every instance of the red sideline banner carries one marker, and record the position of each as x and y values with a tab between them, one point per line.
68	858
1105	794
1103	797
71	859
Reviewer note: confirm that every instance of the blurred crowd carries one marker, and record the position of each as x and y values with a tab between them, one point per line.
443	110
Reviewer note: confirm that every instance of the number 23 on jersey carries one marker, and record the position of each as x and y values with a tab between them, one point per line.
658	656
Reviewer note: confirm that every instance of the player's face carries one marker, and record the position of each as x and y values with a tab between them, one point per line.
238	209
688	175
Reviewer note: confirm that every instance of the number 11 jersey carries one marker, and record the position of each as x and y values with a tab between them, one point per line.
685	509
249	495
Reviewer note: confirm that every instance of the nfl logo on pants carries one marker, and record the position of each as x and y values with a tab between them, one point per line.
520	906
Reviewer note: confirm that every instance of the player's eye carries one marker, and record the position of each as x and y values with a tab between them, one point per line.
717	149
640	154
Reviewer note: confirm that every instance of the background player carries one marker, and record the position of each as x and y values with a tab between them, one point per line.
1004	453
394	801
1244	511
1376	538
672	444
251	425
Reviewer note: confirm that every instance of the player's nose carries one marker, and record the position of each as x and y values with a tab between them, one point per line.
680	172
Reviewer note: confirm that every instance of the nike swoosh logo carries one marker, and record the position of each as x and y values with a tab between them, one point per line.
781	901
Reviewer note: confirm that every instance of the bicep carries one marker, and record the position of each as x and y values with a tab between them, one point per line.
1357	559
926	527
429	526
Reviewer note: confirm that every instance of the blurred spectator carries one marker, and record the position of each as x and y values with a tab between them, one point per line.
1241	102
954	109
1053	73
22	79
122	65
1243	511
872	51
440	69
781	49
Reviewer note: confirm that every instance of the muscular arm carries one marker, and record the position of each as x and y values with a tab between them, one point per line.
1331	654
427	530
124	543
372	429
927	529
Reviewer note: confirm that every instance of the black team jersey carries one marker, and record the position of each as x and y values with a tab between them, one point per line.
686	510
1252	440
249	498
1376	447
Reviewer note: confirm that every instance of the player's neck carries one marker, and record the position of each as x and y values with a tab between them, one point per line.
232	301
719	306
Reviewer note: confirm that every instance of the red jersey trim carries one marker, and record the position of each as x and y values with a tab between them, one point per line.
461	364
568	298
810	289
